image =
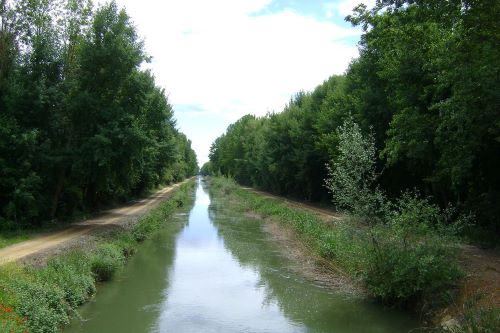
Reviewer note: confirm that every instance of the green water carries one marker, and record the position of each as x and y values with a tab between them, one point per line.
211	270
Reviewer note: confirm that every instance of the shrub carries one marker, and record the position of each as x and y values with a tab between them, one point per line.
41	303
413	255
126	242
10	321
106	260
410	253
72	273
148	224
223	184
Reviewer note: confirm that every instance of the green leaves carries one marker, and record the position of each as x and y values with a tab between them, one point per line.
81	124
284	152
352	174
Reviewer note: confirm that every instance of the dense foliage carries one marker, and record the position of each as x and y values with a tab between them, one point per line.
425	85
81	124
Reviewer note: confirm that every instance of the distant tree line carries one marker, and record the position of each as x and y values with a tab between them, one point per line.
425	86
81	124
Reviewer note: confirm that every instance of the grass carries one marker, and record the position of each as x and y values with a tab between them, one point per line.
12	237
42	300
478	318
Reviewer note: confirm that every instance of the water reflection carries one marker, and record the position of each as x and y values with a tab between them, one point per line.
210	291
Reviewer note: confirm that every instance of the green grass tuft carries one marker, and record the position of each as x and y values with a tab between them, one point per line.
107	259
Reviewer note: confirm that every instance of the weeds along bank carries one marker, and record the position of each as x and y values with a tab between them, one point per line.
42	300
402	262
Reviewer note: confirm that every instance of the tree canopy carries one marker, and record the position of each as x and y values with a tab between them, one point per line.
81	124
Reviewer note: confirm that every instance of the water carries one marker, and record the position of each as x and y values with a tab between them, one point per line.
211	270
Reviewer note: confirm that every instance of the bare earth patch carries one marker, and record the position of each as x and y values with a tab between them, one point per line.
482	282
484	275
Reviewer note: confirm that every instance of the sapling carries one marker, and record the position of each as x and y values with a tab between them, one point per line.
352	174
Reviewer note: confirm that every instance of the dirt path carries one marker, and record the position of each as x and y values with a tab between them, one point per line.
114	216
324	214
483	268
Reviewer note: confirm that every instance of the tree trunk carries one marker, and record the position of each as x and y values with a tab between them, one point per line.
57	192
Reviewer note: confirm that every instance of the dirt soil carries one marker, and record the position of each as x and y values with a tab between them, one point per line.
480	288
38	249
483	269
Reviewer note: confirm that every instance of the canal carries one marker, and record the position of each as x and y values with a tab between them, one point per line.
212	270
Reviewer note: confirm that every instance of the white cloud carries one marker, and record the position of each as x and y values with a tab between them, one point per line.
345	7
228	60
330	9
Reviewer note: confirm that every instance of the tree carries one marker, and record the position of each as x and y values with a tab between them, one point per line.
81	125
352	173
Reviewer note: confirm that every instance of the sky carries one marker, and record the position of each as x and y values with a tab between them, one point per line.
219	60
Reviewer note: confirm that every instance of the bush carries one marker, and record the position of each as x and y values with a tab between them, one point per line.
72	273
143	228
126	242
39	305
10	321
153	221
406	270
40	300
414	255
42	304
106	260
410	253
223	184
